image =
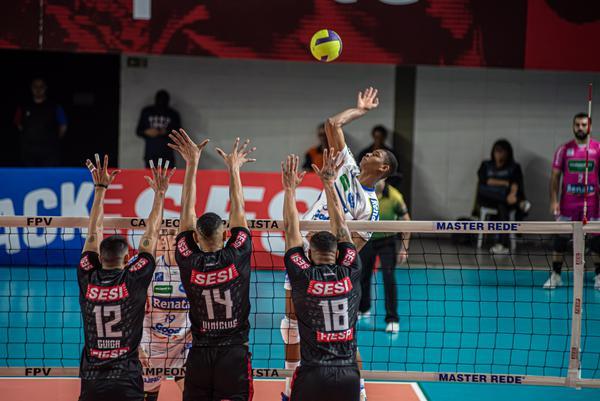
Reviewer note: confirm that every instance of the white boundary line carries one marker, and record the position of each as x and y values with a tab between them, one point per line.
418	391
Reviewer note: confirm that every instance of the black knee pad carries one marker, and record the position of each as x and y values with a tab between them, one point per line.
151	396
560	244
595	244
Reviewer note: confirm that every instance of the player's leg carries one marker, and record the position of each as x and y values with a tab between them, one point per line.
386	249
560	244
233	374
595	245
367	257
199	373
291	337
345	384
125	389
362	389
152	354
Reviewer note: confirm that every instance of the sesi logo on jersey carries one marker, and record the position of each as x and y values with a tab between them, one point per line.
105	294
139	265
214	277
349	257
240	240
299	261
85	263
183	248
329	288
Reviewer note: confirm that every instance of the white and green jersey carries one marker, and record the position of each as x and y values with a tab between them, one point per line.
358	202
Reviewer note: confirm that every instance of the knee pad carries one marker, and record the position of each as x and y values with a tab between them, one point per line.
595	244
560	244
289	331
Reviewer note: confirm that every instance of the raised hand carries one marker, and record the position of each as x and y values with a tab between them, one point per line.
100	173
332	163
290	177
238	156
184	145
160	176
368	100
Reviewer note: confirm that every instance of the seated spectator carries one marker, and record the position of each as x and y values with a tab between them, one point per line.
315	154
392	249
42	124
501	187
379	134
155	125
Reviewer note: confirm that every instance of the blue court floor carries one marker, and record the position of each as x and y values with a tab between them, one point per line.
487	321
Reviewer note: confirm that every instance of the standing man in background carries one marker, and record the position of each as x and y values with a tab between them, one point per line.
155	125
42	125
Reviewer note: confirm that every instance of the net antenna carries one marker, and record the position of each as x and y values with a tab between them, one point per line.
587	155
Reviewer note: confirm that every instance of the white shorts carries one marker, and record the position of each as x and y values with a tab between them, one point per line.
166	359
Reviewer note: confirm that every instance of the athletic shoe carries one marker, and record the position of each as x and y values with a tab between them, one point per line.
499	249
554	281
363	393
525	206
284	397
364	315
392	327
597	282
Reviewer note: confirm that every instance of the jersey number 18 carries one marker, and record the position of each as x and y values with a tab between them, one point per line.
335	314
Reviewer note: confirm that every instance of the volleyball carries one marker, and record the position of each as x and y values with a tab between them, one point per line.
326	45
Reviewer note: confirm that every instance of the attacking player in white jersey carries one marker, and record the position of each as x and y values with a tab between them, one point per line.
355	188
167	336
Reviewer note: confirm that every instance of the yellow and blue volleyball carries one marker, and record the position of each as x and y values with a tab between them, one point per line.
326	45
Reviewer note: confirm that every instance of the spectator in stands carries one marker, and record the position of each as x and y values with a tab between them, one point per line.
42	124
379	134
314	155
501	187
155	125
391	248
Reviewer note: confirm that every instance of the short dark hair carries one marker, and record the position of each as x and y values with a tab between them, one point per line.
391	161
580	115
507	147
208	224
381	129
113	249
323	241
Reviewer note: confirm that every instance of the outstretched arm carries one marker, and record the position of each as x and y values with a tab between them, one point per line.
327	174
291	178
159	184
190	152
234	161
333	128
102	179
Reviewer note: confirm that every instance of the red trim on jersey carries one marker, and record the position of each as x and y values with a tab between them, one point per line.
335	337
240	240
294	376
250	379
104	294
299	260
329	288
214	277
139	265
349	257
108	353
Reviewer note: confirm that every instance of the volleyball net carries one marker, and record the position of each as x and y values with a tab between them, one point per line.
465	315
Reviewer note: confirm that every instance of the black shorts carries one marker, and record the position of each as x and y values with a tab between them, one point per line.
218	373
126	389
326	383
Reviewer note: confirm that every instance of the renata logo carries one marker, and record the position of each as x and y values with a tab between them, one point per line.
183	248
335	337
299	261
139	265
108	353
214	277
104	294
85	263
240	240
329	288
349	257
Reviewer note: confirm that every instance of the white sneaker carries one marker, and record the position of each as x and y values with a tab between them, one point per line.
363	393
392	327
364	315
499	249
555	281
597	282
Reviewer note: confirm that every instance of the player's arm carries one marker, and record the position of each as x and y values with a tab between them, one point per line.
234	161
291	178
328	173
102	179
159	184
333	127
554	189
190	152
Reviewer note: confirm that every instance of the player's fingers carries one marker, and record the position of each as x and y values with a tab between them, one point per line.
114	173
235	144
98	165
375	91
316	169
160	168
90	165
105	166
172	172
301	175
203	144
221	153
167	166
244	145
149	180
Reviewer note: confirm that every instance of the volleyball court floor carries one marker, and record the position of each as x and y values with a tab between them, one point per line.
451	320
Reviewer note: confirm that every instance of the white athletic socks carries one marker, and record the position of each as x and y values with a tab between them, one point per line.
288	380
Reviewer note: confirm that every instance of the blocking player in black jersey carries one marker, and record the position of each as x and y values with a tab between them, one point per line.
216	279
325	292
112	295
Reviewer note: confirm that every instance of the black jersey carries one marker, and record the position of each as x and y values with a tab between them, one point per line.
112	307
217	285
326	299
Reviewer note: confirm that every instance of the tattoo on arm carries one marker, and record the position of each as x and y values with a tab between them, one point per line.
343	234
92	237
146	243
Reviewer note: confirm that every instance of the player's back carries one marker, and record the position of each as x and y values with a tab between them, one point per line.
217	285
326	299
112	306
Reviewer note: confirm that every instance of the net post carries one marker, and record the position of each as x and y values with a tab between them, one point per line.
574	371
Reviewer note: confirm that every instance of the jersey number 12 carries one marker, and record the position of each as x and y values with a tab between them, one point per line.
106	329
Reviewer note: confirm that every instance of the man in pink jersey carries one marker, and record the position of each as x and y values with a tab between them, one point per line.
569	162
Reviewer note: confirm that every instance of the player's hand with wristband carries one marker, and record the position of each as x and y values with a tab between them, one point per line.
183	144
238	156
102	178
